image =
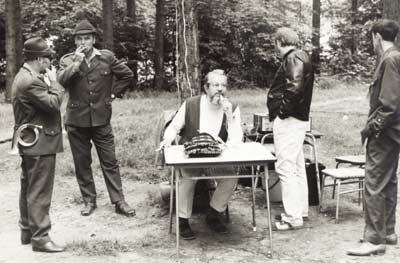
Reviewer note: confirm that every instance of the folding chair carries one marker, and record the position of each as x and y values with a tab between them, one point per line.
342	176
353	160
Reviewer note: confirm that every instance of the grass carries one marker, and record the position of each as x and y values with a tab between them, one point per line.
339	112
100	247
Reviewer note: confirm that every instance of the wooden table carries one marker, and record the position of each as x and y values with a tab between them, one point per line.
243	154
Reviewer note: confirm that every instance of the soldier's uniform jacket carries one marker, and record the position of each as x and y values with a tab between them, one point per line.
37	103
384	114
90	88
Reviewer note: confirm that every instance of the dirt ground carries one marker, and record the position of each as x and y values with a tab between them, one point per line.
108	237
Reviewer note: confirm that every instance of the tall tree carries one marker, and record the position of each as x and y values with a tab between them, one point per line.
188	49
13	43
354	28
108	35
316	27
391	10
131	9
159	46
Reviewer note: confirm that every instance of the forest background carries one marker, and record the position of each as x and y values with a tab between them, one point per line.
236	35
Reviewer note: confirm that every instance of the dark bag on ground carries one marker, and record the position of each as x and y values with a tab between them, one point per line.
312	181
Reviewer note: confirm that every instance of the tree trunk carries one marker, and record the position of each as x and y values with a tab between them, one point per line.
13	43
131	9
316	27
354	31
188	49
391	10
159	46
108	38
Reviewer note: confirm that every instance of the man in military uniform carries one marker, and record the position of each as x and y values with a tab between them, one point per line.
93	79
37	103
382	132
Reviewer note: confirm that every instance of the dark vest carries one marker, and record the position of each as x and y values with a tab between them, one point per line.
192	121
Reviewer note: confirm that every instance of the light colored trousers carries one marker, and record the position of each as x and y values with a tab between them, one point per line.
289	135
222	195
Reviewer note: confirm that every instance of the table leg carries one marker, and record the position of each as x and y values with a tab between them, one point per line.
337	202
253	205
269	253
321	199
171	198
177	178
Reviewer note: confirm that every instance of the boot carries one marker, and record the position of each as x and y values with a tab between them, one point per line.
214	222
184	229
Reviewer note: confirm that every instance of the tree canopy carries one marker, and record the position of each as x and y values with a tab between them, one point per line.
235	35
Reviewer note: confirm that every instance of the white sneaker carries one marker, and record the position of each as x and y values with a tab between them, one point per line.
284	226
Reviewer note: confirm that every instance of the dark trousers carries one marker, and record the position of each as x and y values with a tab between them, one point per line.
37	182
80	139
380	188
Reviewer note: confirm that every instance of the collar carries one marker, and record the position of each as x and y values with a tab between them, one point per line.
95	52
29	68
288	52
387	51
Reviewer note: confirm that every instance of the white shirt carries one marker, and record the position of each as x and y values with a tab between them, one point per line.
95	52
211	117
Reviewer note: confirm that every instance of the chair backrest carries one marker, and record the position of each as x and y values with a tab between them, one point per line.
262	124
164	120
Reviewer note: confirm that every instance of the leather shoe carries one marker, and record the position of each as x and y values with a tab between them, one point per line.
367	249
391	239
48	247
185	231
123	208
88	209
26	237
214	222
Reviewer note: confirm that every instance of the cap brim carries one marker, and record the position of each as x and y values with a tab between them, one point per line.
44	53
84	32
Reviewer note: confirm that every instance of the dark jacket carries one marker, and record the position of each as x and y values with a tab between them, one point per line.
90	89
384	113
291	90
37	103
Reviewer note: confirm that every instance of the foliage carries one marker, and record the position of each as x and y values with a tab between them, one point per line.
133	39
236	35
338	59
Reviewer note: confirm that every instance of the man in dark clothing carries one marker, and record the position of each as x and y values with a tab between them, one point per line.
288	103
37	104
382	132
93	79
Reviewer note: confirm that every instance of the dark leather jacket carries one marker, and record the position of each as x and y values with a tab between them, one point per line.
291	90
